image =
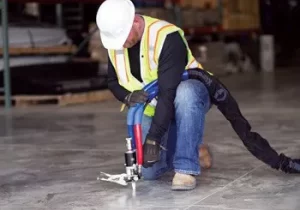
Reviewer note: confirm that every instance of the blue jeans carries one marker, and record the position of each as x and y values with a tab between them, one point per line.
185	133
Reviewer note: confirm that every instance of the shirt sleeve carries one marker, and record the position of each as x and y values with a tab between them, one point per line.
172	62
113	85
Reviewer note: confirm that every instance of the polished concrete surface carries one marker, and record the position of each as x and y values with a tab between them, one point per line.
51	156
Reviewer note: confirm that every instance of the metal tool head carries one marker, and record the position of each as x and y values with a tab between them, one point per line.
117	178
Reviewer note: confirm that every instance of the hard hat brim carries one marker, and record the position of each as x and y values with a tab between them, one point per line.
117	42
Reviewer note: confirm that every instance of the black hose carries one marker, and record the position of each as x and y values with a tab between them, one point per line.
221	97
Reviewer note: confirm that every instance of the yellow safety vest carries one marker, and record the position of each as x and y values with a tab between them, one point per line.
152	41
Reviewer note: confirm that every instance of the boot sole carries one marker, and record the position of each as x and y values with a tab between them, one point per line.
183	188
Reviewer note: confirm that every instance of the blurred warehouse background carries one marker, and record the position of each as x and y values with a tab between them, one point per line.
55	47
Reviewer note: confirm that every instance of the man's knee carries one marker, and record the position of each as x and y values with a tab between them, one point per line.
156	171
149	174
191	92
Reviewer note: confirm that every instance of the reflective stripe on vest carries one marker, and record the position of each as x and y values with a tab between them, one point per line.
152	41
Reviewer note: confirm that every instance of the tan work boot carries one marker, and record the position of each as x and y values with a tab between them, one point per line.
183	182
204	157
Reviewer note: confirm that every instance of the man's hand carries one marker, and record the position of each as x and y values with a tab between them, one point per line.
151	152
289	165
137	96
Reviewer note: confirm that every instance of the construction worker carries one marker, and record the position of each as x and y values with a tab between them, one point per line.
142	49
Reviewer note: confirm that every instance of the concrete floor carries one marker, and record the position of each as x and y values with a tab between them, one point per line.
51	156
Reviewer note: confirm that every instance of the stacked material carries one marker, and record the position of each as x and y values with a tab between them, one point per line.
197	13
231	14
195	17
32	44
160	13
200	4
24	37
240	14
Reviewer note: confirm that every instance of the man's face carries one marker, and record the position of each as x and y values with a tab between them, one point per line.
132	38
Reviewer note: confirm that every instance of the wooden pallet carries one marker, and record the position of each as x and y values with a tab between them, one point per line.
61	100
62	49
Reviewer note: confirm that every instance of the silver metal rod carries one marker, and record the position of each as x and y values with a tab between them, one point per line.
128	144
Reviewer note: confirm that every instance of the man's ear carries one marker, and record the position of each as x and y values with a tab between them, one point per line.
136	19
136	22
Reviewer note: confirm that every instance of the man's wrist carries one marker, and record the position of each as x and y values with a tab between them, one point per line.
127	98
152	137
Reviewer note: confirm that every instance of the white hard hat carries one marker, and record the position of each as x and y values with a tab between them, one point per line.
114	20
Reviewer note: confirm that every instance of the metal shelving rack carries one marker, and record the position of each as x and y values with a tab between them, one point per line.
3	7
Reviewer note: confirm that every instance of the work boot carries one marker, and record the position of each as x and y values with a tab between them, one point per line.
183	182
204	157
